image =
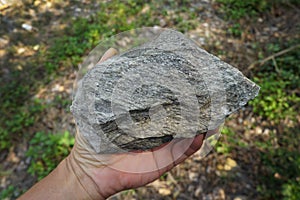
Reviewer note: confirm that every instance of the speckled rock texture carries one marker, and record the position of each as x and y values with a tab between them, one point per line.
166	88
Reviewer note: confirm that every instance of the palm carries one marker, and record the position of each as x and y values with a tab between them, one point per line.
131	170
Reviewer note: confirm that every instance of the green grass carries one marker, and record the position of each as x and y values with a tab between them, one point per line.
237	9
280	166
46	151
17	118
9	192
249	10
279	79
224	146
277	105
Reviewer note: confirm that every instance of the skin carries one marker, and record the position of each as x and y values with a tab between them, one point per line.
85	175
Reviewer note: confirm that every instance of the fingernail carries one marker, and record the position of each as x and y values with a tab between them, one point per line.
109	53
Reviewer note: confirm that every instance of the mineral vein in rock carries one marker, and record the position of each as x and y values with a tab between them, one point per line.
167	88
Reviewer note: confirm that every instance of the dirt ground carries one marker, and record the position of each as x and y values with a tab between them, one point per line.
216	176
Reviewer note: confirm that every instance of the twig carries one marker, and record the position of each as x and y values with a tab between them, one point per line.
293	6
275	64
272	57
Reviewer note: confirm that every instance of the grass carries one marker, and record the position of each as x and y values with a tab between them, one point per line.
280	166
8	192
46	151
279	80
238	12
234	10
278	161
276	105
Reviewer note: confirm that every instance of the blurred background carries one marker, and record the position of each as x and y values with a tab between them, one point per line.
42	42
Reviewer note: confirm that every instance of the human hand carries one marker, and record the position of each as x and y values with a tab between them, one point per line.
102	175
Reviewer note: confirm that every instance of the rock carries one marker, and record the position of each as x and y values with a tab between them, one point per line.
240	198
191	188
198	191
193	176
208	197
166	88
164	191
230	164
219	193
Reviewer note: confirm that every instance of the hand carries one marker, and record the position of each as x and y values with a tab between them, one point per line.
106	175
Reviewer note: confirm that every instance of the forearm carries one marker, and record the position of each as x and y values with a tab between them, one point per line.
62	183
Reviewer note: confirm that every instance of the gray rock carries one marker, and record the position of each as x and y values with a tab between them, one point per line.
166	88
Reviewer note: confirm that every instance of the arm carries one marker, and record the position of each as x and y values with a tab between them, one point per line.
61	183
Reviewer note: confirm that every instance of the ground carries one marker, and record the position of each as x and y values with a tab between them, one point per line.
234	169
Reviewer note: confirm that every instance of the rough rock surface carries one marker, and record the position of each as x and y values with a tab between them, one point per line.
167	88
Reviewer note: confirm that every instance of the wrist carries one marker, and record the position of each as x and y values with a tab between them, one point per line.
80	181
63	183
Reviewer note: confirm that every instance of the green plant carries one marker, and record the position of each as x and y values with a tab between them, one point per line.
280	166
7	193
279	80
274	101
46	151
235	30
13	123
223	146
291	190
278	102
236	9
11	192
